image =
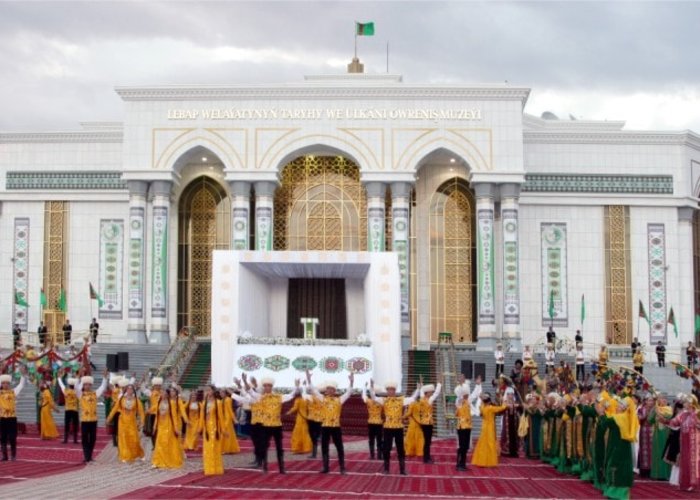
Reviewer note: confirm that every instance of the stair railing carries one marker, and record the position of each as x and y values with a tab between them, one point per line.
177	356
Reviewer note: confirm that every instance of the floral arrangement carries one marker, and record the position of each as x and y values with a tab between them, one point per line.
47	366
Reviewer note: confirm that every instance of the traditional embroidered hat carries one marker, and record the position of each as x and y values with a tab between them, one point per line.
85	380
72	381
157	381
428	388
5	378
330	383
267	381
391	383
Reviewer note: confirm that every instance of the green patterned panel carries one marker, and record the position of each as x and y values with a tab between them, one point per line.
65	180
595	183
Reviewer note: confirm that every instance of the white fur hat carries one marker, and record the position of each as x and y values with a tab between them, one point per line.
428	388
72	381
378	389
267	381
123	382
157	381
330	383
87	379
5	378
391	383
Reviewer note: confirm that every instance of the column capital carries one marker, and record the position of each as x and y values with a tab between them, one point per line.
685	214
161	188
484	189
401	189
375	189
265	188
240	188
137	188
510	190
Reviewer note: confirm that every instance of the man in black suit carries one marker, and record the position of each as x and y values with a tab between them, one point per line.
16	336
552	337
41	332
94	330
67	331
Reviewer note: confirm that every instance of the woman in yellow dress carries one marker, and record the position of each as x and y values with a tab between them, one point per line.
301	440
487	451
211	420
168	452
192	434
48	426
131	419
229	443
414	434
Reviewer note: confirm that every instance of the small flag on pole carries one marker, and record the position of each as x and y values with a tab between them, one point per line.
583	308
551	304
42	298
19	300
697	323
62	303
96	296
364	29
643	313
672	321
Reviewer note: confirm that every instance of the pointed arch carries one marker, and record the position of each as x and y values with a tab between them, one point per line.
192	141
472	146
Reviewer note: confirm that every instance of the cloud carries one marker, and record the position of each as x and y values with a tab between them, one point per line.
616	60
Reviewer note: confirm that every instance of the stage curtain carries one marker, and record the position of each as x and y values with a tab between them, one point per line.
321	298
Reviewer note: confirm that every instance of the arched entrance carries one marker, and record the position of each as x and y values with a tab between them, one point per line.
453	261
204	226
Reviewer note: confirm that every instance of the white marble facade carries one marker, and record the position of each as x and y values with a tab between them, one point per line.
545	171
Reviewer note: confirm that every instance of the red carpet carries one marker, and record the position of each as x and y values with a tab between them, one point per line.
38	458
514	478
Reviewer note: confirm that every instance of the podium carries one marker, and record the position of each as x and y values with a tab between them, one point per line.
310	327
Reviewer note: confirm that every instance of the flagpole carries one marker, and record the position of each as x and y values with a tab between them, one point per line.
355	39
387	56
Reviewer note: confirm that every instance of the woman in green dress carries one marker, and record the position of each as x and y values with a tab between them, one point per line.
658	417
622	432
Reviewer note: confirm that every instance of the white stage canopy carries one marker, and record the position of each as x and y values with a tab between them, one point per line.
246	295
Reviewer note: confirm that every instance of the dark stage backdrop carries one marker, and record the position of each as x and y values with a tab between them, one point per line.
322	298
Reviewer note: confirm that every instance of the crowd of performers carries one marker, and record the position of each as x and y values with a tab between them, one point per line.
605	429
608	429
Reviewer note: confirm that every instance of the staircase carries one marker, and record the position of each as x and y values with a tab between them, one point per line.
198	370
142	357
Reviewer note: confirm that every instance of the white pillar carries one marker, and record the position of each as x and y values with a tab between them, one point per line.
400	243
264	213
486	296
376	216
686	285
510	250
136	268
240	215
160	328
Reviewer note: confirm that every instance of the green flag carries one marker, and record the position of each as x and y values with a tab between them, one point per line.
643	313
697	323
672	320
96	296
42	298
62	305
583	308
551	304
19	300
364	29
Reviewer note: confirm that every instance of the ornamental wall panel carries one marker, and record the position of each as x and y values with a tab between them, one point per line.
553	236
111	268
656	253
20	274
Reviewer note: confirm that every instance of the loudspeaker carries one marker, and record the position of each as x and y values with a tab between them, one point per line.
480	371
123	361
111	362
467	368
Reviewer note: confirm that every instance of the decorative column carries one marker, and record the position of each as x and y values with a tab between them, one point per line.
376	216
160	330
510	194
240	209
486	297
686	286
264	205
136	269
400	216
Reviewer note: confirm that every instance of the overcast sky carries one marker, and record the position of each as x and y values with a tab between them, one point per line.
633	61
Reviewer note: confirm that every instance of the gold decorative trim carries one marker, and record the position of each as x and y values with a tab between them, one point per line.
258	163
618	279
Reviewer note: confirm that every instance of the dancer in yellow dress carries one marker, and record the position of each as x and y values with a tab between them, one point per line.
301	440
486	451
48	426
167	452
193	409
211	426
414	435
229	443
131	419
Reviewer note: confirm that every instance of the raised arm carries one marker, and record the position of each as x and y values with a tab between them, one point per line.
101	388
412	398
348	393
20	386
60	384
435	395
